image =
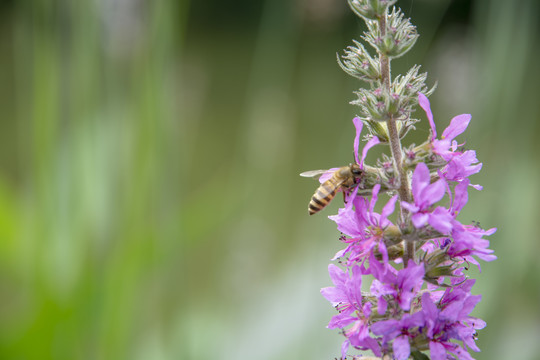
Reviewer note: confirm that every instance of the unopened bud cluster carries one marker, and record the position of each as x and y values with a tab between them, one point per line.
391	36
370	9
415	249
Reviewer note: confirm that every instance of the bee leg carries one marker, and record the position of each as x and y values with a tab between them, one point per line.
344	198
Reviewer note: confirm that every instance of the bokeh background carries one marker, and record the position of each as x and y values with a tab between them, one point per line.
150	203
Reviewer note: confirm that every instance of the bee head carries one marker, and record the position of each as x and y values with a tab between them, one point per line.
355	170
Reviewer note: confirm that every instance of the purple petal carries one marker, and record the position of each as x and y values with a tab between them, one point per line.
457	126
388	328
431	313
461	196
358	124
469	304
411	276
341	253
419	220
338	276
441	147
441	220
409	280
347	218
374	197
405	300
384	252
387	210
469	157
461	166
410	207
350	199
428	306
382	305
477	323
356	277
451	311
371	344
437	351
379	271
344	348
461	353
432	193
424	104
371	143
420	181
334	295
414	320
401	347
340	321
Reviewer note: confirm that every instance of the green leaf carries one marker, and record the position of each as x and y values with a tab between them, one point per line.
417	355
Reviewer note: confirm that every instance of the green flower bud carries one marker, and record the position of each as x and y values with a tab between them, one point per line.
370	9
399	35
358	63
377	107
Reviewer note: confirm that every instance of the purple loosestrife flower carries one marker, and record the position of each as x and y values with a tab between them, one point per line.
460	164
450	320
446	146
358	124
401	331
425	196
402	285
364	226
437	324
467	239
346	297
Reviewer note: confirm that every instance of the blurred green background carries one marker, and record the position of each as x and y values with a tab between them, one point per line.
150	203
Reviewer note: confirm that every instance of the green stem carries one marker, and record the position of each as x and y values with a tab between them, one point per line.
395	147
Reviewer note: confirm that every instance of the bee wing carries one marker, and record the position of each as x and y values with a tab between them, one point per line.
313	173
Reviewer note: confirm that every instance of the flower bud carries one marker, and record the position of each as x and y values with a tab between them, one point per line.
358	63
370	9
432	276
417	355
399	35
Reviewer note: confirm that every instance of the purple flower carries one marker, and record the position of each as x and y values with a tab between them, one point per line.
409	315
358	124
468	241
439	322
461	197
425	195
450	320
400	331
346	297
462	166
402	285
446	146
364	226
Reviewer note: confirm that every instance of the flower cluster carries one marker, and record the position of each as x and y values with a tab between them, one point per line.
427	304
403	239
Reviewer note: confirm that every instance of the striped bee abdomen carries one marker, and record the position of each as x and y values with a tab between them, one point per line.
324	194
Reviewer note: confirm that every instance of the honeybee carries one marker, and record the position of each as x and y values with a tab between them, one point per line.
344	177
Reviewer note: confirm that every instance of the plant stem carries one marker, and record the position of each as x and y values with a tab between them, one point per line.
395	148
